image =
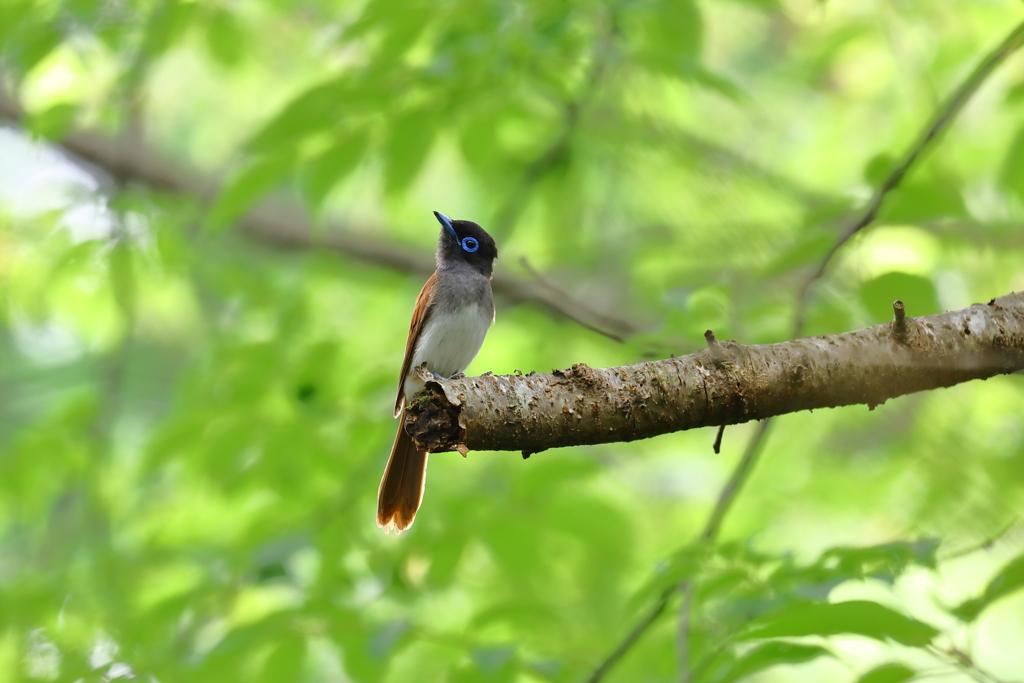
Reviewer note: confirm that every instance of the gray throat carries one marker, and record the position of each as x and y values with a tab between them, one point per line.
461	284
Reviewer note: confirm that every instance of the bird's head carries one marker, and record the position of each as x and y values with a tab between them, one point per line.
465	241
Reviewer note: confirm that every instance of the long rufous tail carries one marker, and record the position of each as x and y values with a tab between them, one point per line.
401	487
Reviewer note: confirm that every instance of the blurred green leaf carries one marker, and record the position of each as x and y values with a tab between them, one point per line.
494	665
682	565
888	673
828	316
410	140
762	4
331	167
885	561
317	109
1015	94
235	649
1009	579
286	661
601	526
167	24
368	648
858	617
478	142
665	35
916	292
196	499
54	122
37	41
84	10
493	659
709	308
810	247
122	278
12	13
721	84
224	35
516	546
399	32
1012	175
246	187
768	655
878	169
924	199
444	560
521	615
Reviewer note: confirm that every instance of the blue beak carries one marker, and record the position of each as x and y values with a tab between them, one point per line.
446	223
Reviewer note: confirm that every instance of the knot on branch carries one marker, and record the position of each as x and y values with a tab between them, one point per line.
718	351
433	422
723	354
580	373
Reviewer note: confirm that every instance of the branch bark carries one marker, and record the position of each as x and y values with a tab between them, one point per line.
728	383
286	227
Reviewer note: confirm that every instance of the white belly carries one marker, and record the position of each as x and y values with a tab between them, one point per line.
448	343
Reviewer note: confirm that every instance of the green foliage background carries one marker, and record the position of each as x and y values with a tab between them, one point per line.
193	426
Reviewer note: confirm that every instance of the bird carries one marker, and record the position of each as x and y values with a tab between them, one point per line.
453	312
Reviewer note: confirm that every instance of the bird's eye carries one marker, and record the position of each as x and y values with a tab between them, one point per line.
470	244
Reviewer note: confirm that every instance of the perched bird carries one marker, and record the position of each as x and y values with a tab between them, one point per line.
449	323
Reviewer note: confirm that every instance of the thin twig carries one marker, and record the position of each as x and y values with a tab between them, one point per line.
717	446
939	123
942	119
964	662
708	535
736	480
711	153
571	303
285	226
986	544
634	635
683	638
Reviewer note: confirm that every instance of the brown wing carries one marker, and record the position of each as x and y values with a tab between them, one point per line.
419	318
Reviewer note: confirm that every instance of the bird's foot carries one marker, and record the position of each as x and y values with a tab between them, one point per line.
424	374
458	375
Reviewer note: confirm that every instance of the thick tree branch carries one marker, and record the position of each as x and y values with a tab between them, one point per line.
285	227
726	384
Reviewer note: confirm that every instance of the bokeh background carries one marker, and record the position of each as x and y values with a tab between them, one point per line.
194	420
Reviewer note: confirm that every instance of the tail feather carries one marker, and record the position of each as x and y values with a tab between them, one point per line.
401	488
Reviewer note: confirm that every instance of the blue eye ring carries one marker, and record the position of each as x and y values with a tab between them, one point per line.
469	244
